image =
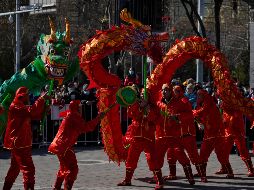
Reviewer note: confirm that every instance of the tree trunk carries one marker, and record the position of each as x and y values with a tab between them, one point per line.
217	6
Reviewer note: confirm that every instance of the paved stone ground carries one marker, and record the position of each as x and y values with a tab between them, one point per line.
96	173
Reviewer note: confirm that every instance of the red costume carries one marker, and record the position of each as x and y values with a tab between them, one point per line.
142	131
18	138
208	114
172	152
177	132
234	133
71	127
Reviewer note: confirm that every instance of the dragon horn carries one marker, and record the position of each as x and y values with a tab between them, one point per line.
53	30
126	16
68	32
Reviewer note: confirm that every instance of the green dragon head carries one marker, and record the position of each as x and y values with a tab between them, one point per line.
54	50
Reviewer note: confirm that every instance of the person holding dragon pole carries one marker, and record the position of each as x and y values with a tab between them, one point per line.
142	134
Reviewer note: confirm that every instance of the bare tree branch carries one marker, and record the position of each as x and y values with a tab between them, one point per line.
192	15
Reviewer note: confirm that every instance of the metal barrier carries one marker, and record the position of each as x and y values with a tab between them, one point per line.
45	136
53	122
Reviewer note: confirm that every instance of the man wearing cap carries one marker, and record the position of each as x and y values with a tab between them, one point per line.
18	137
71	127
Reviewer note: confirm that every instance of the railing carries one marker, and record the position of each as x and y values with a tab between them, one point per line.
53	122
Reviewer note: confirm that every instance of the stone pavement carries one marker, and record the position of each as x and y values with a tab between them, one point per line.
96	173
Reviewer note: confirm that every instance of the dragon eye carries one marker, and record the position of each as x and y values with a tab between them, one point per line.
66	53
52	51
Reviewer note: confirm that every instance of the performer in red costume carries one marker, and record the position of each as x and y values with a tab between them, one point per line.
171	154
71	127
177	131
18	137
142	131
234	132
208	114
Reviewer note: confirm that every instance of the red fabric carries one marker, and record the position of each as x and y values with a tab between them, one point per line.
137	146
227	146
170	131
21	160
234	131
110	125
71	127
171	127
142	134
171	155
128	81
92	84
222	152
22	91
187	143
142	125
233	122
208	113
74	105
68	166
188	48
18	132
206	149
162	145
190	146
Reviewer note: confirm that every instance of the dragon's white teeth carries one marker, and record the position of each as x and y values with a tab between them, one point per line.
56	72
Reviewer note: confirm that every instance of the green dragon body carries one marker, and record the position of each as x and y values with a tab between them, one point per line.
52	63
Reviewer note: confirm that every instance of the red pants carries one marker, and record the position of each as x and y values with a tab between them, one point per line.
218	144
21	159
137	146
171	155
222	150
163	144
186	143
227	142
68	166
206	149
190	145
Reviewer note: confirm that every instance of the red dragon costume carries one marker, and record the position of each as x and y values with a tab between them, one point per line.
71	127
142	133
18	138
